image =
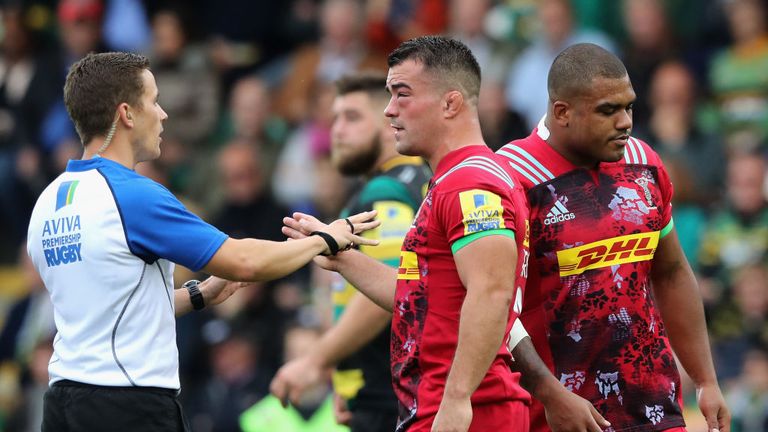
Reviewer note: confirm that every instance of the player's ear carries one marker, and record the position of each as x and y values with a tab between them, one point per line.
453	101
561	113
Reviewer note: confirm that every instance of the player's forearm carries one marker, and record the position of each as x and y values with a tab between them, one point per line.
535	376
483	320
371	277
259	260
360	323
681	308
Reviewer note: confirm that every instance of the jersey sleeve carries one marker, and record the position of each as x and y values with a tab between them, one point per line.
157	225
472	211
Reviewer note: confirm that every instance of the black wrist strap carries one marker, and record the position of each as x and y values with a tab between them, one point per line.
333	247
195	296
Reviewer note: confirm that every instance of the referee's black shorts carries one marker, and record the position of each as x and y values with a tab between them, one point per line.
70	406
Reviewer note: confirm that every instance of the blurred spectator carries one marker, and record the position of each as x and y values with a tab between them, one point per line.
27	90
526	90
244	35
739	323
80	27
294	181
738	78
737	234
249	210
126	27
313	413
30	318
189	88
748	399
690	217
28	415
390	22
468	24
500	125
341	49
250	118
237	383
650	42
26	339
675	135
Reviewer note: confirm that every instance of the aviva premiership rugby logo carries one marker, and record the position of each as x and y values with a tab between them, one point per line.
481	210
66	193
61	237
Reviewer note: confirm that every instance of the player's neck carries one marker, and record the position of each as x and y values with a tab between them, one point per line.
462	134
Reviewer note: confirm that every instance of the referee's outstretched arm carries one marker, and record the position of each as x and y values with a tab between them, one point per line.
260	260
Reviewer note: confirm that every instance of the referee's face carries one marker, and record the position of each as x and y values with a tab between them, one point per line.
148	121
355	143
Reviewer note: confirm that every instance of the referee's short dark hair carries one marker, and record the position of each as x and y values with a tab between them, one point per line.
97	84
450	61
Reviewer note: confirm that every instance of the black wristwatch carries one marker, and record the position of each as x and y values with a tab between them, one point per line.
195	296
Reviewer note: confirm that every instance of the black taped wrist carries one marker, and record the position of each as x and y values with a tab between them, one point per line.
333	247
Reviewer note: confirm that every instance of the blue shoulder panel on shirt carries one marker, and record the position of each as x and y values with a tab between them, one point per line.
156	224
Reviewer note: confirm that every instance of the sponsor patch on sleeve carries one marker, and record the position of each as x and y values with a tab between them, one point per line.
409	266
481	211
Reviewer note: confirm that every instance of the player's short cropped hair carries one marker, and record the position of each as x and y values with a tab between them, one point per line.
449	60
372	83
575	67
97	84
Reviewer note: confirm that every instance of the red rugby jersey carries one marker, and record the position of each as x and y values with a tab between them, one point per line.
472	194
589	307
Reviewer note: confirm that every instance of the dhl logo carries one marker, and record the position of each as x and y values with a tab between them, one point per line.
604	253
409	266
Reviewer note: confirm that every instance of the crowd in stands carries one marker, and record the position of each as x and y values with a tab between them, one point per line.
247	85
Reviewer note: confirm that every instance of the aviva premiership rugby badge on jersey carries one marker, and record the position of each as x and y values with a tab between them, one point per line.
481	211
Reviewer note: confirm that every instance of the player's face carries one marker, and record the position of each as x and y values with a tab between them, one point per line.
355	133
601	120
414	108
148	121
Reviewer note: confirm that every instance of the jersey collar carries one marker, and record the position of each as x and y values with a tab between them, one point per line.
453	158
80	165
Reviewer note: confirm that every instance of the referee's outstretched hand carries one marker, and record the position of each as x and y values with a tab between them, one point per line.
346	232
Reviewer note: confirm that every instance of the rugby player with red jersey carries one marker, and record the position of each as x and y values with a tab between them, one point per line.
455	295
610	293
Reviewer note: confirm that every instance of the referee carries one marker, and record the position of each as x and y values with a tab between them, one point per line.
105	239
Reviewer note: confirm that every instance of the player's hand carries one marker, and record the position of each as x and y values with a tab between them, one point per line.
454	415
344	231
712	405
341	411
296	377
215	289
568	412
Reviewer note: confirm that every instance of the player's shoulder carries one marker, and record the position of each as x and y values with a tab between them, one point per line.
486	171
638	152
528	161
133	189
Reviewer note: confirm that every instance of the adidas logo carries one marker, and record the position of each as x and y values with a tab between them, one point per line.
558	213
